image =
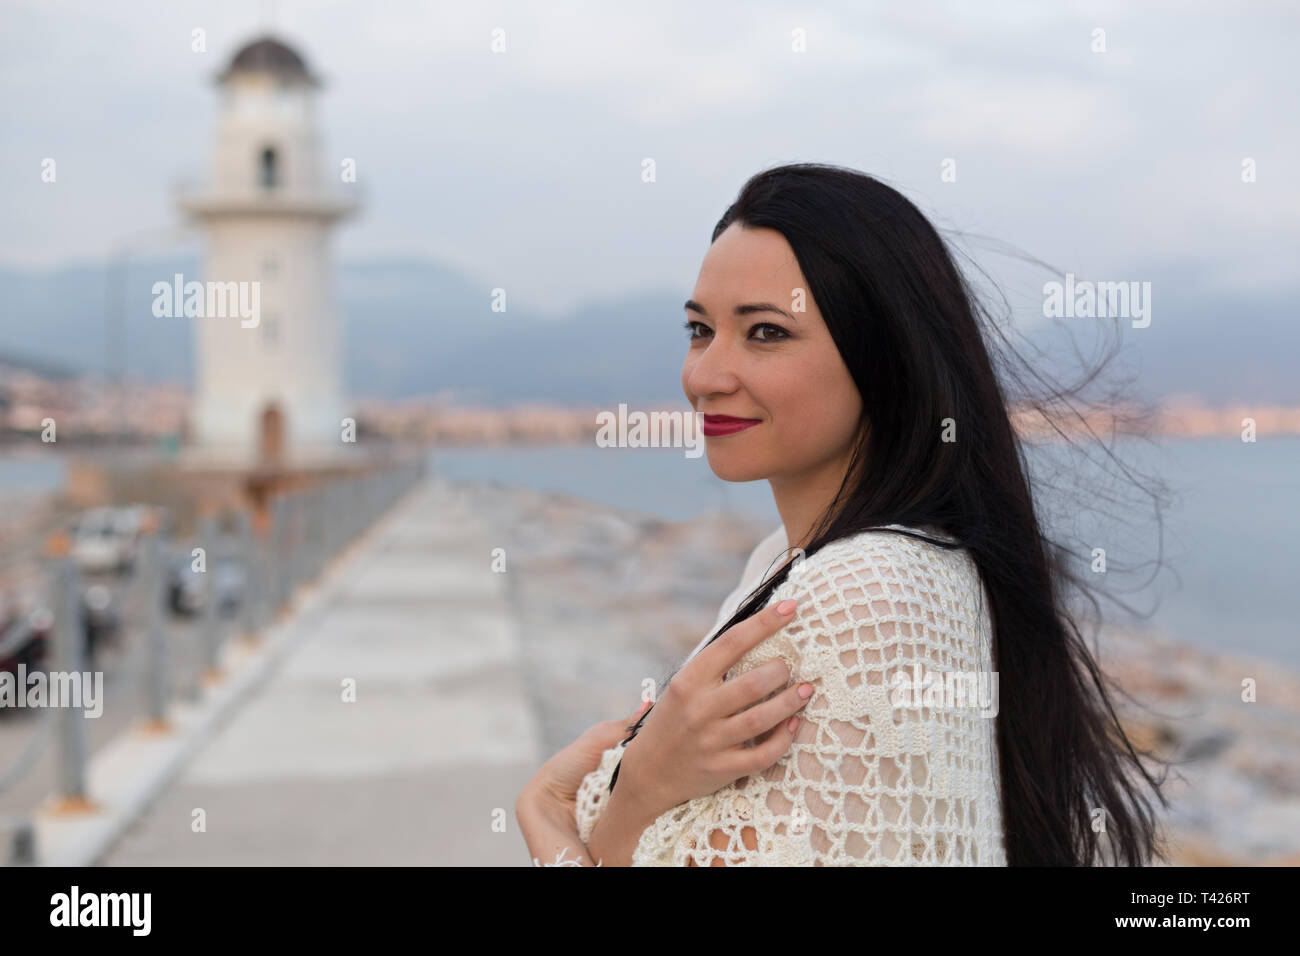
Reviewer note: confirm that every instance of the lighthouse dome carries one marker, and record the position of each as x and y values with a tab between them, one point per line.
269	55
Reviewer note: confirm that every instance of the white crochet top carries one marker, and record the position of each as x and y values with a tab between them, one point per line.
895	759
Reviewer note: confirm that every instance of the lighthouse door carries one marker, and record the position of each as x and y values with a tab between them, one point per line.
272	434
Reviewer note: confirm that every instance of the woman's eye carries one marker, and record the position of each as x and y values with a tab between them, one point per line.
690	327
780	332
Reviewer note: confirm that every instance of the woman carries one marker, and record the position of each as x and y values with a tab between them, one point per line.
835	351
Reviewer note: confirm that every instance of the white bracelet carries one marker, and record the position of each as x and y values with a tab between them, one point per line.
559	860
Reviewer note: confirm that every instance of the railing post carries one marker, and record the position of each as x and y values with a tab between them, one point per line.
17	841
294	556
303	549
252	577
209	628
334	518
325	516
155	600
278	548
315	535
356	520
69	659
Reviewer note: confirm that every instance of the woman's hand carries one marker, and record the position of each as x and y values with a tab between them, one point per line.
556	783
696	739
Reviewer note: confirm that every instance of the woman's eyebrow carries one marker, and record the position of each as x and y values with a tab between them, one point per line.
748	309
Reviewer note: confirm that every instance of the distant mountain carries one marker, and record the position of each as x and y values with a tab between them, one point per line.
63	317
416	327
1203	341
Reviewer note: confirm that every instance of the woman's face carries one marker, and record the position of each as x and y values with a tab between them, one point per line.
771	362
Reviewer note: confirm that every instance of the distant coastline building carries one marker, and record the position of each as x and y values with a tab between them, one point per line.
270	392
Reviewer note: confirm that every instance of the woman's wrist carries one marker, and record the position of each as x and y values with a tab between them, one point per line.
540	803
550	830
618	830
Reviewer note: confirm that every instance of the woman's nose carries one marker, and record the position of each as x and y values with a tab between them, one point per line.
713	368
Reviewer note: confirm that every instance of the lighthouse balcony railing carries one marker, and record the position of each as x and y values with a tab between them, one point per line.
322	199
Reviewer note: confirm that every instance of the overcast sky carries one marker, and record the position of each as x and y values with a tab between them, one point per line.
524	168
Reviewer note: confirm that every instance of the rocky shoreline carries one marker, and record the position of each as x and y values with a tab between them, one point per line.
1234	785
608	597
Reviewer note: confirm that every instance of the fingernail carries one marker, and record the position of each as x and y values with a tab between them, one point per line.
805	691
793	725
786	606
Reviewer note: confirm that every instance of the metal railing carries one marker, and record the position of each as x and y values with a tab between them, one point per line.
307	529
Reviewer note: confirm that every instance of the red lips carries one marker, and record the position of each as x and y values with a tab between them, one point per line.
718	425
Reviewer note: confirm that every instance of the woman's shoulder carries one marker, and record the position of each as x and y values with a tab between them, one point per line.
882	548
889	571
884	552
874	589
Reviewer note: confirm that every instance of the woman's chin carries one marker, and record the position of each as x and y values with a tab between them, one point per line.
729	469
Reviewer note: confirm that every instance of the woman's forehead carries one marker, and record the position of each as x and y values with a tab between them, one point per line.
750	265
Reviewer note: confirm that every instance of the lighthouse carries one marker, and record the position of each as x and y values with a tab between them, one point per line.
269	382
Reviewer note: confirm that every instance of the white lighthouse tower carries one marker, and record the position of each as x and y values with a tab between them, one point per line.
269	389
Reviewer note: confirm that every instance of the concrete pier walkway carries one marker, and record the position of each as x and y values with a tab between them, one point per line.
434	748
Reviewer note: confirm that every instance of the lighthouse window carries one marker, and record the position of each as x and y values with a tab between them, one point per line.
270	175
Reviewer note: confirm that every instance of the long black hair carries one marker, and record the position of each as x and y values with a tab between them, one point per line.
908	325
